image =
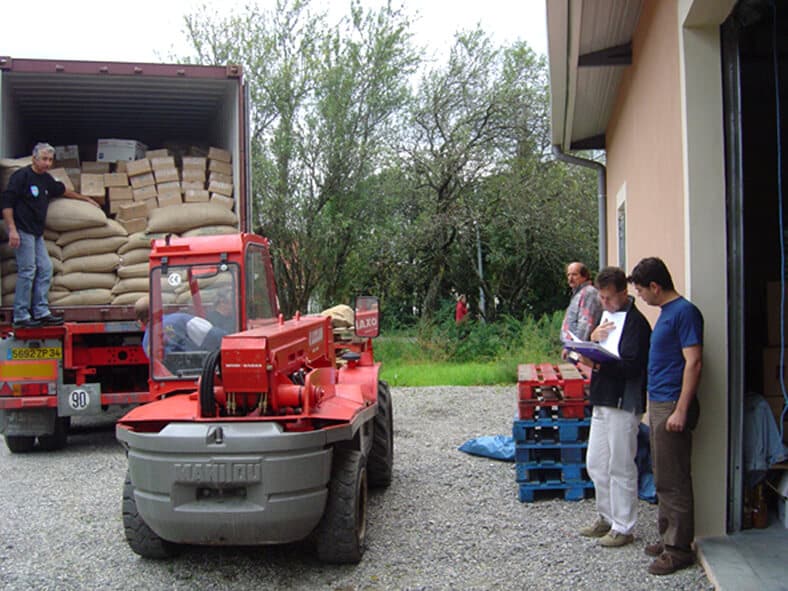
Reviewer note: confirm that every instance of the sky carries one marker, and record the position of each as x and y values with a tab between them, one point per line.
152	30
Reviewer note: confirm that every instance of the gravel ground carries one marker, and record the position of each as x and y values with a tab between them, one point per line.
448	521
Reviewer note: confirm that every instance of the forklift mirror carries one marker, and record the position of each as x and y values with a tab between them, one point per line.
367	316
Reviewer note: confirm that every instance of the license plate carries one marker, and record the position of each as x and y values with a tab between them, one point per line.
37	353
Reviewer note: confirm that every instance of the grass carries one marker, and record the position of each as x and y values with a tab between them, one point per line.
483	355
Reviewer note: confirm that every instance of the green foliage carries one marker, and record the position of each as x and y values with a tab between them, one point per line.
377	172
440	353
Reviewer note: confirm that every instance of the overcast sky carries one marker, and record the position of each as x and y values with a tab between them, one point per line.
151	30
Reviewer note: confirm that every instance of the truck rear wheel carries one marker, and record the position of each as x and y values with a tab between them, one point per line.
140	537
381	456
59	438
342	530
20	444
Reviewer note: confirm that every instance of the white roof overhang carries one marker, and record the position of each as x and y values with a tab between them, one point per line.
589	45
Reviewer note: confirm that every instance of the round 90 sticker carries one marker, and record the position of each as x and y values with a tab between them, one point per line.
79	399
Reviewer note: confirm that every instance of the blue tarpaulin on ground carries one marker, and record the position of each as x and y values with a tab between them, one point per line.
501	447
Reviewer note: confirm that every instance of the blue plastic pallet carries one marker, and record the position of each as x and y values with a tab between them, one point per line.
574	491
542	472
563	453
556	431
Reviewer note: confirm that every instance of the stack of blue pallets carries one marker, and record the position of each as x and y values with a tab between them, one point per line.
550	457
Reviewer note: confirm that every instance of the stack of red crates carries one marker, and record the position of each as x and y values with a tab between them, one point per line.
560	391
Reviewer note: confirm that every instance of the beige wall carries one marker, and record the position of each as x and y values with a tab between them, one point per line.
664	152
644	146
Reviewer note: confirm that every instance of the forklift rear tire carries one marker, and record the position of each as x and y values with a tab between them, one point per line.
140	537
59	438
20	444
381	456
342	531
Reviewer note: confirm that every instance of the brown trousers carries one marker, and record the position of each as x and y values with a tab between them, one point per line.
671	454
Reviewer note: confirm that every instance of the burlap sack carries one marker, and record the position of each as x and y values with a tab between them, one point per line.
8	299
136	240
134	257
341	316
211	231
7	266
56	294
187	216
98	263
57	266
6	252
86	297
78	281
137	270
111	228
51	235
92	246
66	214
128	299
54	250
131	284
8	283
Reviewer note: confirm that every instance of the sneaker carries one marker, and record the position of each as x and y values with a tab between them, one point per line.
654	549
50	320
27	323
596	530
615	539
666	564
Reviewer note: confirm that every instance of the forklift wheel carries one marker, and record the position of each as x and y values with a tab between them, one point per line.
20	444
140	537
381	456
342	530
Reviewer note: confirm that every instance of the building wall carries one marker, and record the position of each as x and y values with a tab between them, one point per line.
665	161
644	146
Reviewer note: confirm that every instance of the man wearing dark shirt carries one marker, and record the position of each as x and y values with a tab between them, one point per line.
24	204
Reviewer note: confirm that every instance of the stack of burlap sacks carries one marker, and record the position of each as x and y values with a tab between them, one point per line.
99	260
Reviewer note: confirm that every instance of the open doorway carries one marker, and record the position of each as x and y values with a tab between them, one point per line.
755	70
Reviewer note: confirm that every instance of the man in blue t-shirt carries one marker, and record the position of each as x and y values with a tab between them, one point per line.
674	368
24	204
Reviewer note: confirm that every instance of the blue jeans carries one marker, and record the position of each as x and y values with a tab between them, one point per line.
34	274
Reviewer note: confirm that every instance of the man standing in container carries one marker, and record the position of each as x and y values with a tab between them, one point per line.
674	369
584	309
618	396
24	205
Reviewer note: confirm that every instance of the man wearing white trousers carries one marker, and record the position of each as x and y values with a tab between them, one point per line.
618	397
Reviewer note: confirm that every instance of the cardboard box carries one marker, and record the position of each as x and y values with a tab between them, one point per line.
95	167
219	154
120	194
160	153
75	175
225	189
132	210
112	150
197	162
61	174
150	204
169	199
222	200
196	196
64	154
138	167
134	225
166	175
162	162
195	175
116	179
92	185
145	193
121	166
192	186
221	167
219	177
170	187
142	180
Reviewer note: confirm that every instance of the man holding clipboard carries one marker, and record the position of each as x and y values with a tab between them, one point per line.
618	355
